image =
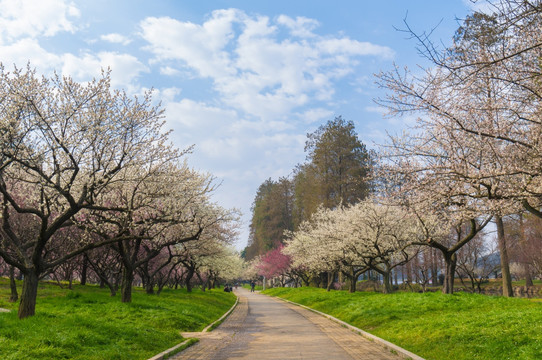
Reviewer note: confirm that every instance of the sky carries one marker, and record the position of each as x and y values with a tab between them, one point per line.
243	81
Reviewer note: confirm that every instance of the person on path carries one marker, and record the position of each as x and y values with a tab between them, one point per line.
252	285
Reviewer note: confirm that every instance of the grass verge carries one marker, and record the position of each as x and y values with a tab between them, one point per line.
433	325
188	343
86	323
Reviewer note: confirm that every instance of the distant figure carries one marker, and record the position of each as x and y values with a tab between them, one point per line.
227	288
252	285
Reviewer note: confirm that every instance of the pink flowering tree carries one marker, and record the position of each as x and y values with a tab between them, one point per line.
275	264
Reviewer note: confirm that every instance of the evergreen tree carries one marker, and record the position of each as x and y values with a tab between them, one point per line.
271	215
341	164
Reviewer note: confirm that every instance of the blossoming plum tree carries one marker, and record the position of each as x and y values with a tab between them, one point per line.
354	239
62	146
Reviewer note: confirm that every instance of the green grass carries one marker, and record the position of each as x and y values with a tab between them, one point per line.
436	326
86	323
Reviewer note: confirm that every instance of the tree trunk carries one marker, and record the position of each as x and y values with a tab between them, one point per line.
353	280
112	289
434	267
323	279
13	286
388	289
84	269
409	272
305	280
126	285
330	278
505	263
160	287
526	267
189	276
528	277
27	306
450	261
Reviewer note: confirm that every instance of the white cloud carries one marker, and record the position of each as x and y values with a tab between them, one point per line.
168	95
225	137
116	39
169	71
377	109
32	18
252	68
197	115
346	47
125	68
200	47
316	115
301	26
27	50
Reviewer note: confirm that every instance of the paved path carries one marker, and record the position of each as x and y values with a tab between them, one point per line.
265	328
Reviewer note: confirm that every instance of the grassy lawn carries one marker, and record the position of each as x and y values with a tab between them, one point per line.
86	323
436	326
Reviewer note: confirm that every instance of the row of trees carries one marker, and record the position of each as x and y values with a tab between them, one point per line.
87	172
475	150
336	171
204	262
472	158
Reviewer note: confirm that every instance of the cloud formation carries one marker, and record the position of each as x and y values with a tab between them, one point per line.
263	67
244	88
22	18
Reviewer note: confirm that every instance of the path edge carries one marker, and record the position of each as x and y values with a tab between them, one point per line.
390	346
164	354
210	326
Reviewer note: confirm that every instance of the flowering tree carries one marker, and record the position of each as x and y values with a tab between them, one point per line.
225	265
197	257
526	236
8	270
157	269
355	239
315	246
157	207
480	109
250	270
63	144
476	261
274	264
106	264
380	236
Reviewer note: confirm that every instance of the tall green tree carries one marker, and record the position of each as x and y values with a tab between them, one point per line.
306	193
340	163
271	215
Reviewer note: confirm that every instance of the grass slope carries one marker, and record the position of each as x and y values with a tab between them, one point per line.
86	323
436	326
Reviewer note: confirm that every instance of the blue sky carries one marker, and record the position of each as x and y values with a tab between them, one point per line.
244	81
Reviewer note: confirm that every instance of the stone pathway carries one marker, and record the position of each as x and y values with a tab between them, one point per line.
264	328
